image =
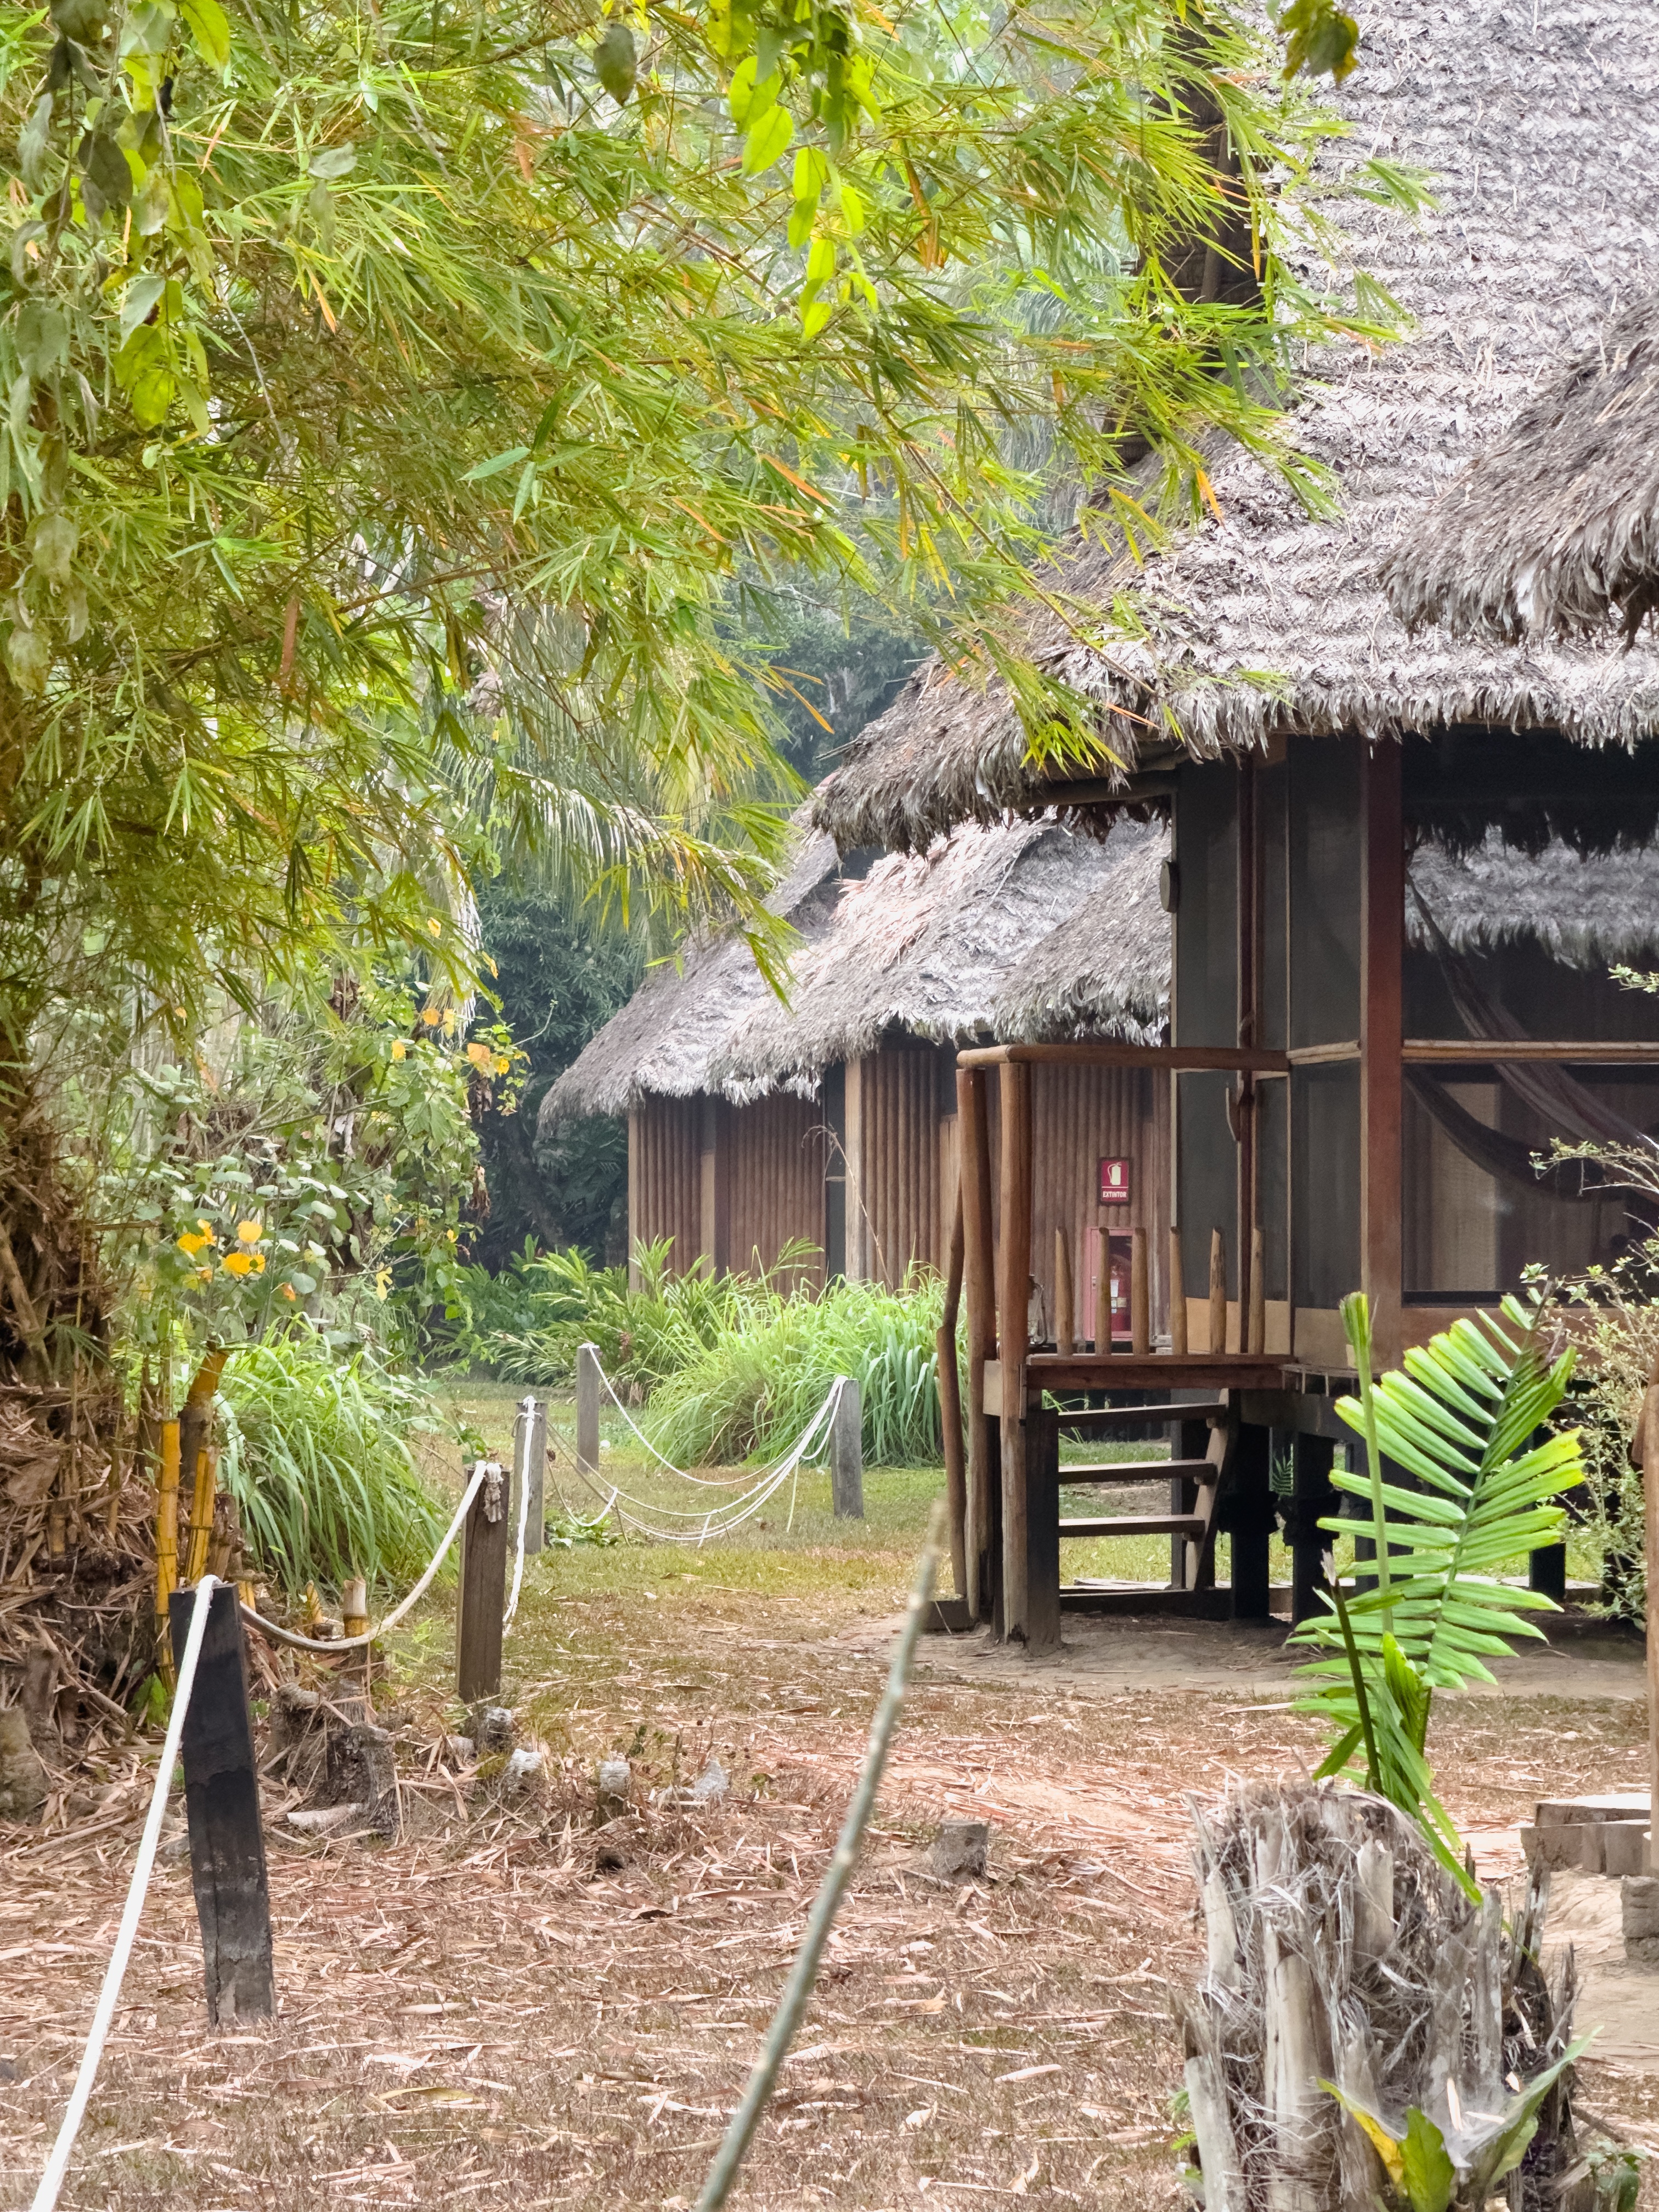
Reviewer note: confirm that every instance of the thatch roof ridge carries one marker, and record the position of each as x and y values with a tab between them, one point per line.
1558	522
1542	142
1585	912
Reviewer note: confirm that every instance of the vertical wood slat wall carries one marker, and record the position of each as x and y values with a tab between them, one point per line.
777	1184
664	1177
1080	1115
899	1178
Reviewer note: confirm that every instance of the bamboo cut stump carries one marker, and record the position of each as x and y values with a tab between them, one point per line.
221	1806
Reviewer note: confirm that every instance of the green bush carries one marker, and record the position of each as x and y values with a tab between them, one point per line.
316	1461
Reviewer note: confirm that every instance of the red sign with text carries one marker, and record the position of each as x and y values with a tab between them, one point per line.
1114	1182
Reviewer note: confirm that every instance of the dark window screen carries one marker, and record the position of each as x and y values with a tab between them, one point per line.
1207	914
1325	1200
1273	831
1324	890
1208	1195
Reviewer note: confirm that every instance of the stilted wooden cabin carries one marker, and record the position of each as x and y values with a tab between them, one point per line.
1350	1108
757	1127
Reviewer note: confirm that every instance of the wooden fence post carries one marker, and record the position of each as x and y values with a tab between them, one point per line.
1103	1294
529	1471
1218	1293
1065	1297
484	1592
221	1806
587	1408
1141	1297
847	1454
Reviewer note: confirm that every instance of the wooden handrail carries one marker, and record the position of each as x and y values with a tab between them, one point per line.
1191	1059
1427	1051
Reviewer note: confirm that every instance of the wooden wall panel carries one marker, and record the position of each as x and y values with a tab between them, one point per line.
777	1183
898	1154
1079	1115
664	1176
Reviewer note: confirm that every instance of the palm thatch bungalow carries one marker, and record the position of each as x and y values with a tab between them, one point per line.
1558	523
1352	1110
825	1128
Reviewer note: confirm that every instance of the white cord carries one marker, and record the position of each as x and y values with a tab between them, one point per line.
523	1472
45	2197
355	1643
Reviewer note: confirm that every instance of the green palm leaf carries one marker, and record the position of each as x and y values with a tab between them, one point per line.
1462	1421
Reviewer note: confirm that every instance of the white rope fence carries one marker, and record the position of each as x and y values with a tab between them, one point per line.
52	2181
700	1524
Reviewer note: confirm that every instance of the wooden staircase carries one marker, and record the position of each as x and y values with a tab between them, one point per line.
1195	1483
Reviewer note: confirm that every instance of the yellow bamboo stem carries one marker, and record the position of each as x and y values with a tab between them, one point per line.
166	1544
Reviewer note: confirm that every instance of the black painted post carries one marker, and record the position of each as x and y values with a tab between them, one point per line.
1547	1570
484	1592
1042	1531
1312	1499
221	1805
1252	1523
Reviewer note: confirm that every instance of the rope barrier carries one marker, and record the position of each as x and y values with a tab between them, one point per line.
715	1520
524	1524
52	2181
339	1643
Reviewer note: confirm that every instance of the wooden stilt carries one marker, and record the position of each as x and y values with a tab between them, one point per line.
979	1285
950	1404
1256	1341
1065	1297
1177	1295
1141	1298
1218	1291
1013	1305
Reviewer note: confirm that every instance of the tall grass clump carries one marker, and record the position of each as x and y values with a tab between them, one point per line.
756	1385
315	1458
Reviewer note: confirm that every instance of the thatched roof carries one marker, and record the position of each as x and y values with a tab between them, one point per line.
1541	139
927	945
1585	912
1558	523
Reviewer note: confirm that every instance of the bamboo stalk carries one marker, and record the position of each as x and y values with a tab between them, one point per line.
1218	1292
1257	1339
803	1973
1065	1296
166	1544
1177	1295
1103	1294
199	1457
354	1607
949	1403
1140	1301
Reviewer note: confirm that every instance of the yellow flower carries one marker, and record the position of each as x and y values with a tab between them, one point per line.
399	1049
432	1016
238	1263
250	1232
206	1228
204	1274
258	1263
503	1064
288	1290
382	1283
191	1244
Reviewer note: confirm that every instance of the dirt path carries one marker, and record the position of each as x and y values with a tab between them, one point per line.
501	2009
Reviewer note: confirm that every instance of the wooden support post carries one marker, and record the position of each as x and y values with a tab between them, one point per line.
1188	1440
979	1285
1177	1295
1013	1302
1103	1293
1312	1500
1218	1291
483	1591
847	1454
1252	1523
1257	1340
1065	1296
1547	1571
1141	1297
1381	1023
222	1807
1249	1003
950	1406
587	1408
1042	1531
1645	1452
167	1539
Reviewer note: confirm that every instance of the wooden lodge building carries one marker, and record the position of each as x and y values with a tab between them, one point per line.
1357	1101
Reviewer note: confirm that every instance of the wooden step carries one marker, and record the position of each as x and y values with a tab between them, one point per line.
1135	1470
1108	1416
1191	1525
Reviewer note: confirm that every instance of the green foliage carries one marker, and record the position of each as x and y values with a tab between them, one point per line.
315	1458
1460	1420
1428	2171
1612	1318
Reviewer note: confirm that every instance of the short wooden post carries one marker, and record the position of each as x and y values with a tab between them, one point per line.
587	1408
1141	1297
1042	1531
484	1592
221	1806
1218	1292
1103	1294
1177	1295
167	1539
1256	1340
528	1473
847	1454
1065	1297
